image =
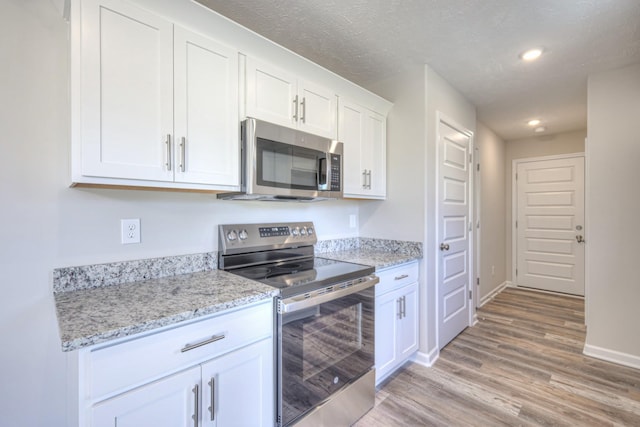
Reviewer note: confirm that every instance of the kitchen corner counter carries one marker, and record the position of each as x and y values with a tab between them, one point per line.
91	316
373	257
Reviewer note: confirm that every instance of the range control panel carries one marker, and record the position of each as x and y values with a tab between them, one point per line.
235	238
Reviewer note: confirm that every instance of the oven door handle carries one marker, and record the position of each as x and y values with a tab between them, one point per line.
300	302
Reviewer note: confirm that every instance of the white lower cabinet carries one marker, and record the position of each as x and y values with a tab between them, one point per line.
214	373
169	402
396	318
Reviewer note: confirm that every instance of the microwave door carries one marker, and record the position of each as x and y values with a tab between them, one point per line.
323	167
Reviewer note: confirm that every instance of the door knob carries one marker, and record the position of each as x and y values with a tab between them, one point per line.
579	238
444	246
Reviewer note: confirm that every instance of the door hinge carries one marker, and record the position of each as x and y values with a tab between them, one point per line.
516	176
478	167
470	295
516	271
470	158
478	281
516	224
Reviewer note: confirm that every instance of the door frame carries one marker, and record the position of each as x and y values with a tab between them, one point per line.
471	194
514	205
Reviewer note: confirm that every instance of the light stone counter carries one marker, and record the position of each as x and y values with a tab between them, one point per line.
378	253
91	316
375	258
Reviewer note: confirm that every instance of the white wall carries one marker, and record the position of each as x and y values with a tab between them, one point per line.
536	146
445	99
613	208
45	225
493	270
409	212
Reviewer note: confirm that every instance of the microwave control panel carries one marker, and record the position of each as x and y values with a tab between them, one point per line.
336	172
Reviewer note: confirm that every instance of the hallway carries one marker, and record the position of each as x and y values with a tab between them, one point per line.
522	364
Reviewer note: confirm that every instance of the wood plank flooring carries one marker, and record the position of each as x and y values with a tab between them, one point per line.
521	365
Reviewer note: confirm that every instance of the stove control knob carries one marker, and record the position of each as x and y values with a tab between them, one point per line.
303	231
295	231
243	235
310	231
232	235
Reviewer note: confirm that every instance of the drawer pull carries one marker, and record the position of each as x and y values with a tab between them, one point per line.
404	276
214	338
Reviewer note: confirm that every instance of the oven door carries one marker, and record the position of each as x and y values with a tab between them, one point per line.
324	344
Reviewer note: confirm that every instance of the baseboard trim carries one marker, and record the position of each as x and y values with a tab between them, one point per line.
614	356
494	292
426	359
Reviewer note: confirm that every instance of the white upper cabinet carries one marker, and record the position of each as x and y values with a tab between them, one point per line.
158	104
363	133
206	110
277	96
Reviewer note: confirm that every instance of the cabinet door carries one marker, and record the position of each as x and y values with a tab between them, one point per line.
206	111
271	94
408	325
386	333
127	92
351	133
318	110
170	402
239	388
374	154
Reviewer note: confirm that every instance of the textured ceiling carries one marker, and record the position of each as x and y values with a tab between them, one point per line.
473	44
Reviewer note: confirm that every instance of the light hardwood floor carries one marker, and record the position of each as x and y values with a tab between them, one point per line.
521	365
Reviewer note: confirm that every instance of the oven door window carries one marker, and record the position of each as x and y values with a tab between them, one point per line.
322	349
289	166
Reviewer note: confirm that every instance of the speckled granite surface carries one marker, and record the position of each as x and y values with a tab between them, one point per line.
379	253
91	316
115	273
98	303
375	258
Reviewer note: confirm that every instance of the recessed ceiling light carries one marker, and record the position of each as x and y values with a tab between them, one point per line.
540	129
531	54
534	122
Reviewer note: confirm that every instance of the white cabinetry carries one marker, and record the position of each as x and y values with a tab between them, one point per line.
217	372
396	318
277	96
364	135
154	103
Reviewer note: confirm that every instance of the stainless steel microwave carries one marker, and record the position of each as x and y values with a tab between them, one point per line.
279	163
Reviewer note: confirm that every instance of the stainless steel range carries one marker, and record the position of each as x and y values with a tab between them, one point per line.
324	321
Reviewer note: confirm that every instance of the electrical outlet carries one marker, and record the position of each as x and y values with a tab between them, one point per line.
130	231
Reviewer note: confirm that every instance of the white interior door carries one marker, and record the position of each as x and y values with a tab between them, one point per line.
550	225
454	263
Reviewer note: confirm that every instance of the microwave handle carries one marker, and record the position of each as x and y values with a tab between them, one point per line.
323	167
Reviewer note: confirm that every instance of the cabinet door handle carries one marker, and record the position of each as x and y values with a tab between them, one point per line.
303	104
404	276
399	301
404	306
212	409
168	142
214	338
196	406
369	184
364	179
295	108
183	154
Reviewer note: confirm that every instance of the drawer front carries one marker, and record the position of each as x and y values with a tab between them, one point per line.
111	370
396	277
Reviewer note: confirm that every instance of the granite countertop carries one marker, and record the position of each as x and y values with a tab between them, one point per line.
377	258
92	316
